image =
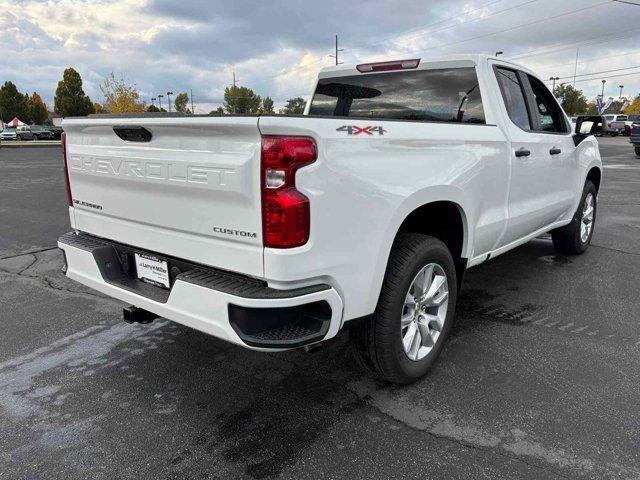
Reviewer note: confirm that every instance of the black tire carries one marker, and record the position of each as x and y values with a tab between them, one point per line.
638	151
567	240
378	340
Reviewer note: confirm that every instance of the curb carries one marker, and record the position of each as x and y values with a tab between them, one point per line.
32	144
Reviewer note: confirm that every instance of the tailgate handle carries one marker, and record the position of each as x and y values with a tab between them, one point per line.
133	133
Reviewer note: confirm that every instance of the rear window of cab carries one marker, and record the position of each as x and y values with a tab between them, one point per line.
449	95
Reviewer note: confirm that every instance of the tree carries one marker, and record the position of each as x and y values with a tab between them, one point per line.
181	102
38	113
98	108
13	103
241	100
634	108
267	105
575	103
70	99
294	106
120	97
218	111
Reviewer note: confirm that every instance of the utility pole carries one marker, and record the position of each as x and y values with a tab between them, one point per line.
603	82
193	112
621	87
234	79
160	97
169	100
337	50
553	89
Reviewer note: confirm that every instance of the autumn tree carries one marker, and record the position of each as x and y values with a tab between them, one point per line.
98	108
119	96
294	106
70	99
241	100
575	103
37	110
634	108
13	103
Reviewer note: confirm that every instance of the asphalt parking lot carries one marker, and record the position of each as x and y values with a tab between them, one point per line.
540	380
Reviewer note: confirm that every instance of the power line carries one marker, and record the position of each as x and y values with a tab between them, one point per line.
607	77
596	73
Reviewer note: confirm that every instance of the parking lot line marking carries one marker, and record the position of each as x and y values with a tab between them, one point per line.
581	329
564	327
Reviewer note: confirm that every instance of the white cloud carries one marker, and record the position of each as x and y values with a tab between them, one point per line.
277	47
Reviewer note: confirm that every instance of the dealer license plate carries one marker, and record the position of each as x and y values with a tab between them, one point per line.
152	270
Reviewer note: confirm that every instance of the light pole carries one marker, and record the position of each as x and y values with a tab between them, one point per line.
553	79
603	82
153	99
621	87
160	101
169	100
499	53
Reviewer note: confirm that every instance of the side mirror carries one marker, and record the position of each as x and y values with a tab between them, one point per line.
587	125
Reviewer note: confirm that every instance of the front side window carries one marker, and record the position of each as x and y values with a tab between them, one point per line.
546	110
442	95
513	97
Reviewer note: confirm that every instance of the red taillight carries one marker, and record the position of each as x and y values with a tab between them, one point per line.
609	125
67	184
285	211
386	66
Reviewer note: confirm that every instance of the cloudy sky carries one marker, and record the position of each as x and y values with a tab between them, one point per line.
276	47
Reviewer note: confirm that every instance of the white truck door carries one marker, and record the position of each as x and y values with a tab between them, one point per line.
539	173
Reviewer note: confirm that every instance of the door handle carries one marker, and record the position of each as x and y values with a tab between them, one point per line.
523	152
555	151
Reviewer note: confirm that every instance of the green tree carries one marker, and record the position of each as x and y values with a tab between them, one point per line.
181	102
13	103
218	111
241	100
120	97
267	105
70	100
38	113
575	103
294	106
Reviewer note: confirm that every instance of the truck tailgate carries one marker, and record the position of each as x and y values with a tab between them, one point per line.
192	191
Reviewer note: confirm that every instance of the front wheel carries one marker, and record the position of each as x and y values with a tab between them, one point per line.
415	311
573	239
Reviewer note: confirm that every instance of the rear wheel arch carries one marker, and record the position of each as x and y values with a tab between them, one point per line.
445	220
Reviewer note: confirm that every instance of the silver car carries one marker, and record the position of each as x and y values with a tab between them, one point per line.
613	125
8	133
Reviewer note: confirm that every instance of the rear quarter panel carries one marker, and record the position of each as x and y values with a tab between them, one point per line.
362	187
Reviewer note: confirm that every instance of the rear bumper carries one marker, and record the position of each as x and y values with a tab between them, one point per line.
239	309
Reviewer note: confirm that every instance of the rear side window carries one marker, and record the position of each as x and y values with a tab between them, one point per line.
546	111
513	96
442	95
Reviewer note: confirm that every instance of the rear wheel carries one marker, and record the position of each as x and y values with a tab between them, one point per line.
574	238
638	151
415	311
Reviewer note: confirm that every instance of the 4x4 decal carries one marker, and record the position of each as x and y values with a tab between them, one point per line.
356	130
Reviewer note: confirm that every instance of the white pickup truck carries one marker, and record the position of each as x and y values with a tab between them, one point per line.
276	232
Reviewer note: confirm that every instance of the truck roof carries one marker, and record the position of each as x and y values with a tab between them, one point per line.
457	60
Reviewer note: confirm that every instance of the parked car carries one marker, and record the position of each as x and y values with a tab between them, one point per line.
41	133
635	136
613	125
364	213
8	133
56	132
23	132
